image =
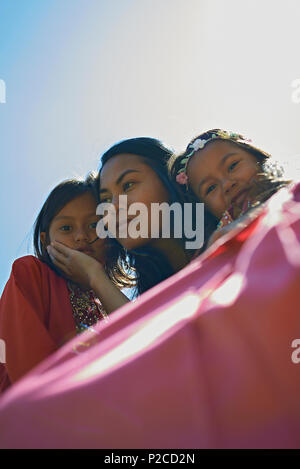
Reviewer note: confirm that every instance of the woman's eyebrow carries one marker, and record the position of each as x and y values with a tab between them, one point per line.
120	178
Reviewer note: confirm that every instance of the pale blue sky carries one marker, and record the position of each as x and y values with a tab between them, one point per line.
83	74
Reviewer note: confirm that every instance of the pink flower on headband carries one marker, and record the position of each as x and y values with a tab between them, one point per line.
182	178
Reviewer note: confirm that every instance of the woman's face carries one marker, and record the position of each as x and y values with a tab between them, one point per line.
222	175
75	227
129	175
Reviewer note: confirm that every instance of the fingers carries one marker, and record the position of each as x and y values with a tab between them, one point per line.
61	248
55	255
61	266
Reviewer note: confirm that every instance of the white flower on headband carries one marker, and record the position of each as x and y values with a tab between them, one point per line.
198	144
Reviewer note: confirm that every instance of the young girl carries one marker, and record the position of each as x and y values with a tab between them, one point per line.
226	172
136	168
41	308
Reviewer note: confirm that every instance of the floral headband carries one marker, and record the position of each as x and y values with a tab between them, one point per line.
200	143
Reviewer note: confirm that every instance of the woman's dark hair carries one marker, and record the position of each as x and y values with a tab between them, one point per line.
56	200
150	266
152	151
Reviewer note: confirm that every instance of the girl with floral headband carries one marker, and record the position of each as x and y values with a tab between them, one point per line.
226	172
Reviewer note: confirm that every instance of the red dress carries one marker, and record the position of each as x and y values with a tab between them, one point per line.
39	312
35	317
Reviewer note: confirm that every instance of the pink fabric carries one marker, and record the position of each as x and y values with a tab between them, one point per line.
203	360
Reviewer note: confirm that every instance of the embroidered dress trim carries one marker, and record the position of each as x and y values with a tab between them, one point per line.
87	309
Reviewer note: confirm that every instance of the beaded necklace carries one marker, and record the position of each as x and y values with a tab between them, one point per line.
227	215
87	309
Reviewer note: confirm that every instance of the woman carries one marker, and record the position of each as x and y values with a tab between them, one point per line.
135	168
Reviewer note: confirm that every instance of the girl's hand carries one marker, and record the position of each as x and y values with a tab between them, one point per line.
88	273
77	266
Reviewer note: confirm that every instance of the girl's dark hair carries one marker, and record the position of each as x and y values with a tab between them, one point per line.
56	200
150	266
176	161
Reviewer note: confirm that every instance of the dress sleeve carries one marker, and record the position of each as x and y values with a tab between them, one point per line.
23	317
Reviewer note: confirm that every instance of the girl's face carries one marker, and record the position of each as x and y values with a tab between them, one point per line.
75	227
129	175
222	175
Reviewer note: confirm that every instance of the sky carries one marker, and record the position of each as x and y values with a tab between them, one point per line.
76	76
